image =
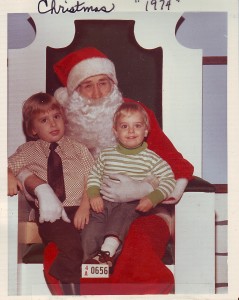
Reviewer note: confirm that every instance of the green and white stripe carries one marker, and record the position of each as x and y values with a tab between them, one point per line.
136	163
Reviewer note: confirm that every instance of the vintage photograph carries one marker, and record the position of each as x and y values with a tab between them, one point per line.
117	147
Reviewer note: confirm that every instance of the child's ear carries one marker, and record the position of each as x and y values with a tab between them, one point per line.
34	132
146	132
115	132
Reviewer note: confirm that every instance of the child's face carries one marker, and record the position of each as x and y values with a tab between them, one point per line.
49	126
131	130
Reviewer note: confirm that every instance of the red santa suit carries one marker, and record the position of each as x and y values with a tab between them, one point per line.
139	268
159	143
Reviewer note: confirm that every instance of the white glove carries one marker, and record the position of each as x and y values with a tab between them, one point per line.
21	177
50	206
178	191
122	188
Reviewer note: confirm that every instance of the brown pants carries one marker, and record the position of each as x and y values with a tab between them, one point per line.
67	265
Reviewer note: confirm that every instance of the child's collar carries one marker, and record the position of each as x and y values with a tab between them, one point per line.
132	151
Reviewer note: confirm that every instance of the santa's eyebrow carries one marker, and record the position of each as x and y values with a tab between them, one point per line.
91	81
105	78
85	82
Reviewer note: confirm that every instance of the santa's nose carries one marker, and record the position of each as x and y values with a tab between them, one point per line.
96	93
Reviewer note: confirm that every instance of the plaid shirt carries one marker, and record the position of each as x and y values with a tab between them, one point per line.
76	160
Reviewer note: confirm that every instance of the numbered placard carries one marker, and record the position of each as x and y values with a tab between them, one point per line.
95	271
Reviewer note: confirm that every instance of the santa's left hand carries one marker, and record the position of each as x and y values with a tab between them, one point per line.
122	188
178	191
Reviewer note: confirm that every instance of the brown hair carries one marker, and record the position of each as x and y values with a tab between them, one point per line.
36	104
131	107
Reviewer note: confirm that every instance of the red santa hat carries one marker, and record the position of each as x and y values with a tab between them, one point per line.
81	64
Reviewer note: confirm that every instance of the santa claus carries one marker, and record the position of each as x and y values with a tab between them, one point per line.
90	96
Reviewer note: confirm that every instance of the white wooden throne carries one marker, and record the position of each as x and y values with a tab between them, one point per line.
180	88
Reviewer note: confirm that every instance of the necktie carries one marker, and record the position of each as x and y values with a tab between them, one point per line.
55	176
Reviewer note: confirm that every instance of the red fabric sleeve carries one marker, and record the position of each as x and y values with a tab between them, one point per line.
159	143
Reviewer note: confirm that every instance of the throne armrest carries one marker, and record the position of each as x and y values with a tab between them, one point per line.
197	184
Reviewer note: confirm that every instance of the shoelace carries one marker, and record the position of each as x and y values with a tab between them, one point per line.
104	257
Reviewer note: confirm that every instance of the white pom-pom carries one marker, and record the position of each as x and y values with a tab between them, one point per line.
61	95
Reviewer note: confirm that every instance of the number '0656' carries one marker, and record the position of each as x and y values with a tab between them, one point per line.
99	270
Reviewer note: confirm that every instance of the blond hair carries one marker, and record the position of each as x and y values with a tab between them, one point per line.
130	107
36	104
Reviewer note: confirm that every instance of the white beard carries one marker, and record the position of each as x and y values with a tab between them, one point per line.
91	121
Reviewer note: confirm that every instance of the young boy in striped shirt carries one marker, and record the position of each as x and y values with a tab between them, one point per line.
110	221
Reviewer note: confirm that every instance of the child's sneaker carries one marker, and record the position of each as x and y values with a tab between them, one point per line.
102	257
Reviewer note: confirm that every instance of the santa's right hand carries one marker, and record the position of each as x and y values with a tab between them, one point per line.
50	207
122	188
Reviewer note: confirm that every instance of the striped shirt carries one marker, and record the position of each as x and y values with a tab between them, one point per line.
136	163
76	161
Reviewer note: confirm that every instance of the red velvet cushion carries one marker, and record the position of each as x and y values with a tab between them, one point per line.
138	270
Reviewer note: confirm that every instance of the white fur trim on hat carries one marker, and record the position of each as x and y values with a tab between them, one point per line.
61	95
90	67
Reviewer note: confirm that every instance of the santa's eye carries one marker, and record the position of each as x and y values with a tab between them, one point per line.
87	86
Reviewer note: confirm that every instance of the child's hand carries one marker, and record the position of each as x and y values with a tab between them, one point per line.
145	204
82	214
81	217
14	185
97	204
